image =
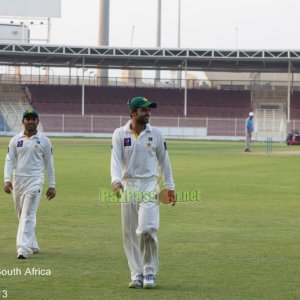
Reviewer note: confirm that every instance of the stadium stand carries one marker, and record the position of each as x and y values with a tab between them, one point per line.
219	103
12	104
211	112
112	100
295	105
3	124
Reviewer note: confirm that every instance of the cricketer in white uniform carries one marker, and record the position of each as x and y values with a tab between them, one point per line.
28	154
139	156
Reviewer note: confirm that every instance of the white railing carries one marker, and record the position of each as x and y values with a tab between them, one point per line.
172	127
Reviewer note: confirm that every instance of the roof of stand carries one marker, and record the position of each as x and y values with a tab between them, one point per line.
276	61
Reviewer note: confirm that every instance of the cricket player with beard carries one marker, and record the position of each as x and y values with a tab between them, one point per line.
28	154
139	155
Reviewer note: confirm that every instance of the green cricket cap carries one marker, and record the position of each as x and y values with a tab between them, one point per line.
140	102
30	112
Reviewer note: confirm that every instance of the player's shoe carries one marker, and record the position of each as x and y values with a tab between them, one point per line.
149	281
35	250
22	255
135	284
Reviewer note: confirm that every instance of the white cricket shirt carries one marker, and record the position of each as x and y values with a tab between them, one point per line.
140	157
28	157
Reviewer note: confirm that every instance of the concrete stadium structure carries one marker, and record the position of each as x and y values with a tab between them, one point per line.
270	98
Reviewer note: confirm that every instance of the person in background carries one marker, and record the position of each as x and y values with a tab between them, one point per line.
249	128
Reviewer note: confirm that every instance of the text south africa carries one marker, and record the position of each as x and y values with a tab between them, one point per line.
25	272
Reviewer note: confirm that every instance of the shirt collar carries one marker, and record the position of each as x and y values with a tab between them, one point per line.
37	135
127	127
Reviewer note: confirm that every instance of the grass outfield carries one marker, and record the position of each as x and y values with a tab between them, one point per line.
241	240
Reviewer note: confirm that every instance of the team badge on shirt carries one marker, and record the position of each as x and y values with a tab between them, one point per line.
149	141
20	144
37	144
127	142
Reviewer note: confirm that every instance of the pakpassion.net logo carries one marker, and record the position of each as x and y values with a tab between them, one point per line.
107	196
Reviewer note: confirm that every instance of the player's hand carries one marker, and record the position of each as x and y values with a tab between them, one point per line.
8	187
117	188
171	196
51	193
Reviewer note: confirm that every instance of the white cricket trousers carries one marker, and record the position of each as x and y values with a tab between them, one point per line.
27	192
140	222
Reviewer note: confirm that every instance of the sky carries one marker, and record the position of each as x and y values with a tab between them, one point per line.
218	24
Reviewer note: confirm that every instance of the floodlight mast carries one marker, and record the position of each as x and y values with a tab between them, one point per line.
158	35
103	38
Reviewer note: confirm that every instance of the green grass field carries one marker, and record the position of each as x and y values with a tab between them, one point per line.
241	240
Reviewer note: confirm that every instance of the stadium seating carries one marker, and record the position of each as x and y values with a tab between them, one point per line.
112	101
295	105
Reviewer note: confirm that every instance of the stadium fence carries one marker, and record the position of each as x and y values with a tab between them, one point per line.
173	127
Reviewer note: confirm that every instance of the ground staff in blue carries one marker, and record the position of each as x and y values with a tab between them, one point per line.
139	155
28	154
249	128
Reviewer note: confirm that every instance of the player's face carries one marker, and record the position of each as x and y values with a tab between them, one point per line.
30	124
142	115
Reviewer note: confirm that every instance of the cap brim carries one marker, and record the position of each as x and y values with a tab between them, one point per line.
149	104
31	114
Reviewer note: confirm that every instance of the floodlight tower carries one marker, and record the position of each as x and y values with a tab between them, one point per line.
158	35
179	39
103	39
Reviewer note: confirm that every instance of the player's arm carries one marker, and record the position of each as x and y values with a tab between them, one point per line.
165	168
49	166
115	163
10	161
